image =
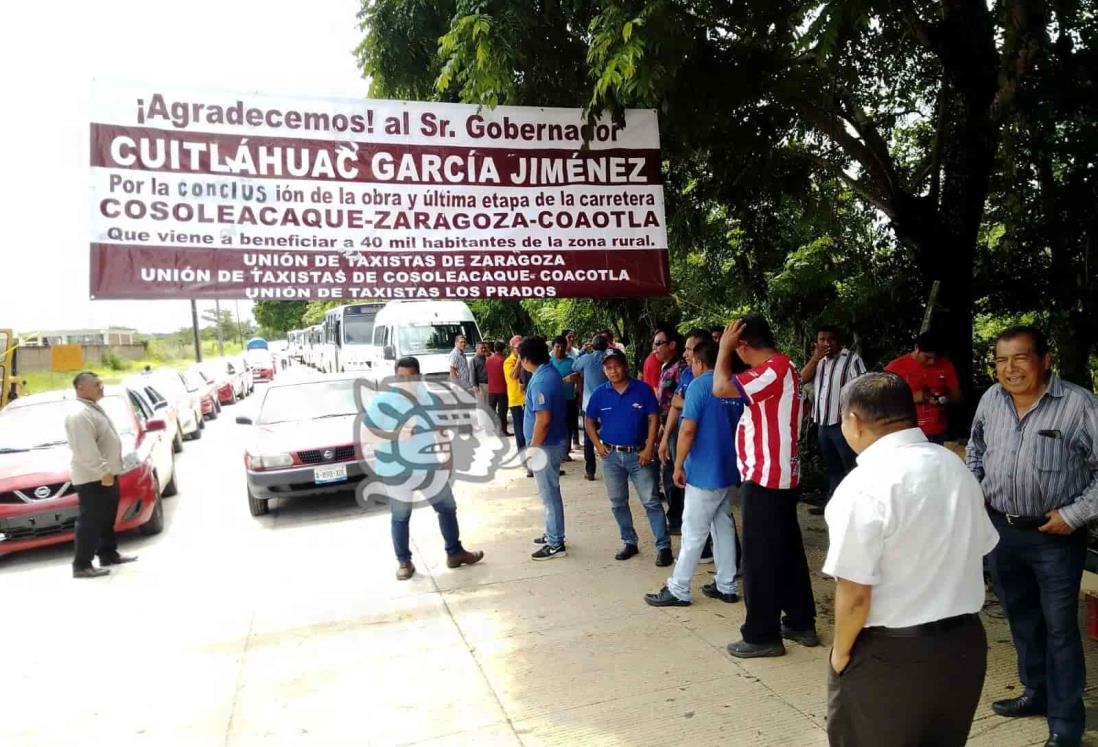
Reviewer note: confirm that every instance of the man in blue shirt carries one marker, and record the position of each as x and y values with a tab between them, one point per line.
546	433
588	369
622	419
705	465
396	434
563	361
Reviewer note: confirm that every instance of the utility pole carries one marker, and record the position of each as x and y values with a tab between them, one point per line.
220	336
197	338
239	327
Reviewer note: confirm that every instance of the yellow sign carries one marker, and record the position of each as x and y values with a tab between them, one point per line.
66	357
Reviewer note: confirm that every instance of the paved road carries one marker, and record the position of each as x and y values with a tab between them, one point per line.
291	630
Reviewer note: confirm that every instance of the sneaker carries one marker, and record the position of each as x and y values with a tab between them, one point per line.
548	552
745	650
711	591
539	540
806	638
664	598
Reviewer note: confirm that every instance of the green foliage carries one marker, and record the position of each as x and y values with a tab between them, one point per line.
275	318
111	361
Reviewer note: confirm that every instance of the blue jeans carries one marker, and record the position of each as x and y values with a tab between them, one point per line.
1037	579
838	457
516	424
548	482
400	513
707	513
618	469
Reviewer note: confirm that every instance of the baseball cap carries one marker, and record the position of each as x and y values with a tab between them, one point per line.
613	354
516	340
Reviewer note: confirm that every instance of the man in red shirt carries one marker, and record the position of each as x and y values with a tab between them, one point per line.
650	374
775	570
933	381
497	386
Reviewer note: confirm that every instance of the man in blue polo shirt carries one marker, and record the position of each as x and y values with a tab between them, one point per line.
588	369
622	419
705	466
546	430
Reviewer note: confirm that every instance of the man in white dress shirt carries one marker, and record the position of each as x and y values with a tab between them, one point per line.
908	534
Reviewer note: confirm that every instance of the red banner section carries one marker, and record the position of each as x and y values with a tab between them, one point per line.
126	271
145	149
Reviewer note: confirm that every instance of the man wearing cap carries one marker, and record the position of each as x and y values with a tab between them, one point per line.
621	420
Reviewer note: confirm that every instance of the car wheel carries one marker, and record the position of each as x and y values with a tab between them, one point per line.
177	443
201	424
233	398
197	432
257	506
171	488
155	524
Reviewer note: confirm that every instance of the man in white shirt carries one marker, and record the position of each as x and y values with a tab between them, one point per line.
908	534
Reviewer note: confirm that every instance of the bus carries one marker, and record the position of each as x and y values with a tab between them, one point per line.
348	331
313	338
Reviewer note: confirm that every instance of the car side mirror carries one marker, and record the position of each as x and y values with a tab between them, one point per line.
243	420
156	424
390	353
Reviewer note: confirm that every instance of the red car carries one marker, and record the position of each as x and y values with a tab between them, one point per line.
206	389
262	363
223	383
38	505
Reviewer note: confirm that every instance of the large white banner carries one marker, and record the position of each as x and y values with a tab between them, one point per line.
233	195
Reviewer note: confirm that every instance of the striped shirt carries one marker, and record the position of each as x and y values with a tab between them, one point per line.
766	437
1045	460
831	375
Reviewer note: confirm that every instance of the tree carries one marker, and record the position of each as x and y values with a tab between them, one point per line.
276	318
777	115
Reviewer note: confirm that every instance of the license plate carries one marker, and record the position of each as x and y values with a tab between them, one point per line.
322	475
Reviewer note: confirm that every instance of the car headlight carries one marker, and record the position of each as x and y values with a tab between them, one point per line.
269	461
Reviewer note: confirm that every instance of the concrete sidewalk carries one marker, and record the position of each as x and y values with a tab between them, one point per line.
292	630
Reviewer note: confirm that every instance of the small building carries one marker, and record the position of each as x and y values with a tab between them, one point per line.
108	336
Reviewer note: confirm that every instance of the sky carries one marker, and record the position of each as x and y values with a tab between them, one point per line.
50	53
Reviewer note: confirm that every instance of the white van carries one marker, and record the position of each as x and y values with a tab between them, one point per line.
423	329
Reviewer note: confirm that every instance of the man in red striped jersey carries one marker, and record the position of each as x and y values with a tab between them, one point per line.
775	570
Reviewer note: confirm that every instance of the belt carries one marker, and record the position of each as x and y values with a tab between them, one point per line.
926	629
624	449
1019	522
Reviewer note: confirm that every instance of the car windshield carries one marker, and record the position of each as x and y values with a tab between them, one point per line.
43	424
358	329
308	401
418	339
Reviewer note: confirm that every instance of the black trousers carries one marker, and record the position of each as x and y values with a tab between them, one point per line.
1037	579
572	416
95	523
498	404
838	457
676	496
589	460
910	690
775	570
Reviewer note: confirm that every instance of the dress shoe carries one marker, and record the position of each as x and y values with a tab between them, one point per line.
711	591
664	598
90	572
627	551
806	638
465	557
529	473
1059	740
117	560
405	570
1026	705
664	558
745	650
589	478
